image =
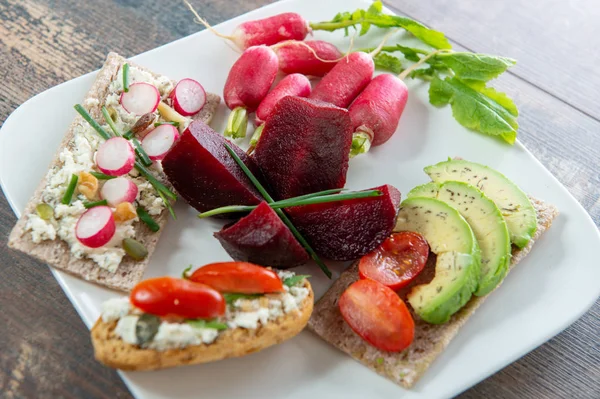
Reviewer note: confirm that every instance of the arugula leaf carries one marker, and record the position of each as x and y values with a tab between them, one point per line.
388	63
476	107
295	280
202	323
231	297
472	66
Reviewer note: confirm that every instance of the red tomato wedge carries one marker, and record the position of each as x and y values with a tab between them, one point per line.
168	296
378	315
238	277
397	261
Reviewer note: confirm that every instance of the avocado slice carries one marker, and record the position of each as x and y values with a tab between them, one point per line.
519	214
485	220
458	257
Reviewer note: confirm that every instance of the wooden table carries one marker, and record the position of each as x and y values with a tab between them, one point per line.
45	349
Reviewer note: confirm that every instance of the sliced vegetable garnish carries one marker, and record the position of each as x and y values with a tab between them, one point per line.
147	219
110	122
141	153
95	227
44	211
66	199
201	323
238	277
125	77
157	124
103	133
295	280
161	188
102	176
168	296
146	327
280	213
92	204
134	248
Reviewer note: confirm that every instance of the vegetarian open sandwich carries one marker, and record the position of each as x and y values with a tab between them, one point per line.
74	182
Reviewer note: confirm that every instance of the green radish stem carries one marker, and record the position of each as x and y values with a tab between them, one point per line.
237	123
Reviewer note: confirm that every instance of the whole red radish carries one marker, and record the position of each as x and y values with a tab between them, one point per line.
249	81
292	85
295	57
346	80
95	227
377	110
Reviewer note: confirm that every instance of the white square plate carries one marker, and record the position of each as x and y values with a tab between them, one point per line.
553	287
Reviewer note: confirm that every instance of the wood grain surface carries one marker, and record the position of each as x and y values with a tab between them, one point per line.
45	350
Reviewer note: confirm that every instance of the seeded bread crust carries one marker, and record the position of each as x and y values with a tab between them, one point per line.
57	253
430	340
112	351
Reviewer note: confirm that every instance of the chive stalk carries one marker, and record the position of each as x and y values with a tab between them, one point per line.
279	212
101	176
66	199
103	133
154	181
89	205
110	122
147	219
128	135
157	124
125	77
141	153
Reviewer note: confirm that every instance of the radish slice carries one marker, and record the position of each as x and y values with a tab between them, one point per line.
95	227
119	190
141	98
188	97
159	141
115	157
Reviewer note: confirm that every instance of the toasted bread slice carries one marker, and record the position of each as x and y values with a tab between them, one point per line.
430	340
56	252
112	351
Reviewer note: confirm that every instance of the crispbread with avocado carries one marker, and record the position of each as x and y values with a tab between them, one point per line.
112	351
406	367
56	252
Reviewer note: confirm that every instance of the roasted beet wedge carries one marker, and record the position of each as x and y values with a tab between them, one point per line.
262	238
349	229
203	172
304	147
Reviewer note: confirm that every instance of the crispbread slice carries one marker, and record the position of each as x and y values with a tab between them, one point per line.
406	367
114	352
57	253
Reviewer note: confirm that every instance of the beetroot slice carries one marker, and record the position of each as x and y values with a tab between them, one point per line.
204	174
304	147
262	238
349	229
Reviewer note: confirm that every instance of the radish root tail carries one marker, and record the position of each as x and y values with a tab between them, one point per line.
202	21
302	44
385	39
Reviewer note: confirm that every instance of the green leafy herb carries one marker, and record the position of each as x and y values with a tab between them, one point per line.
146	327
295	280
374	16
388	62
476	107
141	153
92	204
110	122
157	124
79	108
101	176
230	298
472	66
201	323
186	273
125	77
147	219
66	199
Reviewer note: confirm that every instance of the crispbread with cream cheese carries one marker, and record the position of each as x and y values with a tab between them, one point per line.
56	252
112	351
406	367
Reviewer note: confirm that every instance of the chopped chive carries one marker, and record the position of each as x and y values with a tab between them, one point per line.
110	122
141	153
231	297
167	204
125	77
92	122
66	199
279	212
128	135
227	209
154	181
295	280
201	323
101	176
176	124
146	218
89	205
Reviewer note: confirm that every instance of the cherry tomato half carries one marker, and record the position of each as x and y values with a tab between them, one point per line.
397	261
238	277
378	315
168	296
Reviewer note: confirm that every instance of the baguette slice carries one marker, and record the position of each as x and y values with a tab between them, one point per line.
56	253
406	367
112	351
